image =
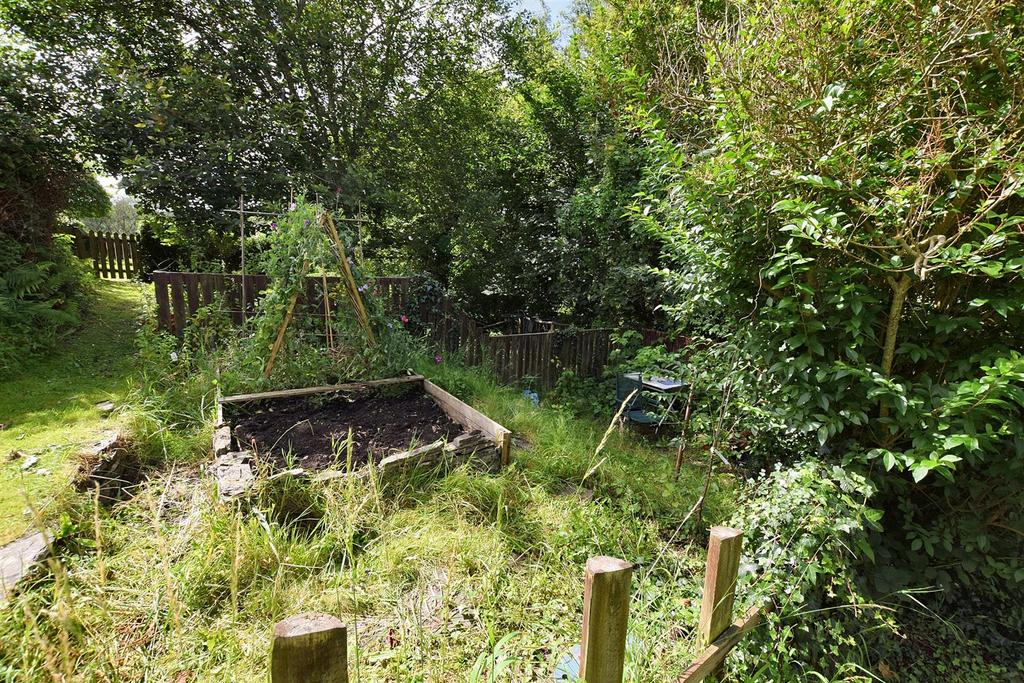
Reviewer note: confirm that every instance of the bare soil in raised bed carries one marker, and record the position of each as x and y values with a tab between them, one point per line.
310	432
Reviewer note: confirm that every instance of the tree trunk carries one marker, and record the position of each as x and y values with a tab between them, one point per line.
900	288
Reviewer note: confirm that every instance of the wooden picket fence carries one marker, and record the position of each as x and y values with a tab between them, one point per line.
313	646
535	358
114	256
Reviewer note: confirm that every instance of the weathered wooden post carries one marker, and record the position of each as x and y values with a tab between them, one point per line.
606	594
309	648
724	548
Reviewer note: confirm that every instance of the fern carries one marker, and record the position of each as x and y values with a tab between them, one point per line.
42	289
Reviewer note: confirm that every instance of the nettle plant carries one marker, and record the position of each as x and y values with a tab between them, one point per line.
856	226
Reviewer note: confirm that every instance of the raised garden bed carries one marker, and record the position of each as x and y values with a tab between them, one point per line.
394	423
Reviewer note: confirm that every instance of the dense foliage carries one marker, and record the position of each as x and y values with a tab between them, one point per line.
853	225
44	183
43	290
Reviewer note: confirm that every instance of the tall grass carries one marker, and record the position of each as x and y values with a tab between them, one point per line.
440	578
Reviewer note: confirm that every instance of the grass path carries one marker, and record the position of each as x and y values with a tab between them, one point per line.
49	409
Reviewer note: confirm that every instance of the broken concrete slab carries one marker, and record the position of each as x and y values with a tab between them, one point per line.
103	445
234	474
18	558
221	440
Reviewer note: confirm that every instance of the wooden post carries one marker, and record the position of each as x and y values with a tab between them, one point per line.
606	595
724	548
309	648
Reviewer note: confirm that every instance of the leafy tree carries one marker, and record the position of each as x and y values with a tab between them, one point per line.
43	181
201	102
123	217
43	139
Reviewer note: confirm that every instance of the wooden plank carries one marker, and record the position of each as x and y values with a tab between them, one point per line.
97	245
178	303
331	388
108	257
94	254
591	340
101	247
206	282
231	286
192	288
125	262
309	648
710	660
588	354
119	255
526	346
471	418
606	596
126	266
724	548
163	304
133	253
247	288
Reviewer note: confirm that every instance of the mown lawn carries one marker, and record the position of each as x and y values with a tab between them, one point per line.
49	408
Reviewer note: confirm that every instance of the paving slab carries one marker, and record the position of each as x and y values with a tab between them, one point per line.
17	559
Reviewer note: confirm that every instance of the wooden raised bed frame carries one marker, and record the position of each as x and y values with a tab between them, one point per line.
460	412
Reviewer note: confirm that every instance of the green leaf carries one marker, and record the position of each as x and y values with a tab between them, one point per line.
889	459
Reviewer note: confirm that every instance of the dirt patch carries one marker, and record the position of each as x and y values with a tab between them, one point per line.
310	432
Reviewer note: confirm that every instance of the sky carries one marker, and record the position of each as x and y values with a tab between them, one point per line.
555	8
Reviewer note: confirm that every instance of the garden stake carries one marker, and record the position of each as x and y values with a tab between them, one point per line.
327	314
284	323
241	232
350	281
682	437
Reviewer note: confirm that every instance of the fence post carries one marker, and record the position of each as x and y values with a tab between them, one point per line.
724	548
309	648
606	595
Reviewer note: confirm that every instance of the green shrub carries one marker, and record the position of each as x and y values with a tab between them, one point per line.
851	232
805	528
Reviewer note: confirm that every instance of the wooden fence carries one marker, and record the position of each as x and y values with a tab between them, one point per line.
113	255
314	646
536	358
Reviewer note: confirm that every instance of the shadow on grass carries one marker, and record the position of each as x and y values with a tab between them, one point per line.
48	408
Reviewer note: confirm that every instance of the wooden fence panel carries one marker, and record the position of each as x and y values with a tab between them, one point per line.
113	255
538	357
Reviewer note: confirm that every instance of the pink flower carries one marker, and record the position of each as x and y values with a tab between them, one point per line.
438	359
404	319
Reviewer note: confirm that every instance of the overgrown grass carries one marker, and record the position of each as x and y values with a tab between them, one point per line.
429	572
48	408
